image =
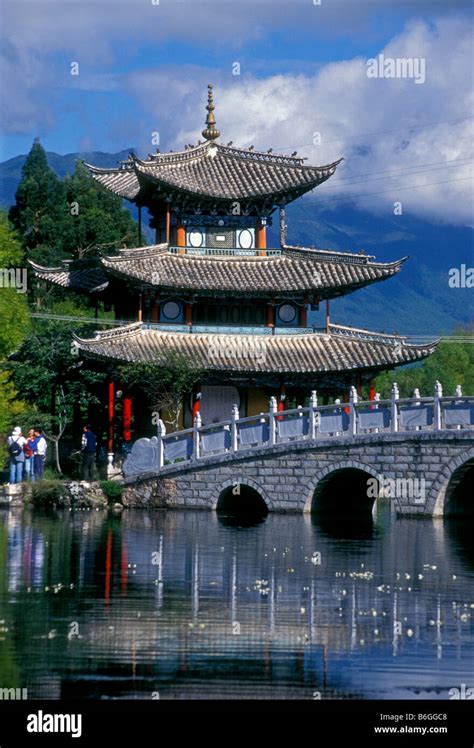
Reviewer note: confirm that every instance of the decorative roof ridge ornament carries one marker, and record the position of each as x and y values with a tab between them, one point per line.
210	132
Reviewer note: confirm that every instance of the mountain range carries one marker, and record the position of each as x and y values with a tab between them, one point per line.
418	301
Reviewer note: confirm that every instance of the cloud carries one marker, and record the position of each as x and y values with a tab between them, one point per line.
397	133
402	141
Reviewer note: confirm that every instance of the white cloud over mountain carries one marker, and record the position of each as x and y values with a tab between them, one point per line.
395	134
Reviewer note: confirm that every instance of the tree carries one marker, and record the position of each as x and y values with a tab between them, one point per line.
14	314
15	324
451	364
96	219
165	381
51	376
40	206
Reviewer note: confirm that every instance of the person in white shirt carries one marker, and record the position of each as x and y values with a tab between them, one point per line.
16	455
40	447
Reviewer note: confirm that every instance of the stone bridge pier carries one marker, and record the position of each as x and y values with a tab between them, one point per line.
422	473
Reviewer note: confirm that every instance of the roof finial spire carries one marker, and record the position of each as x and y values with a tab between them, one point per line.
211	132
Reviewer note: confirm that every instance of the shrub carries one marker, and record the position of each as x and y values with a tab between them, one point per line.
111	489
49	493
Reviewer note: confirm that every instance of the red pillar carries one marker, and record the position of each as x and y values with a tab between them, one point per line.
140	307
111	403
196	403
188	313
304	316
270	314
127	419
261	238
168	223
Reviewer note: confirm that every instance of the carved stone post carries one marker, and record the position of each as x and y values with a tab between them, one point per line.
313	415
272	420
160	433
234	443
353	400
196	440
394	397
438	394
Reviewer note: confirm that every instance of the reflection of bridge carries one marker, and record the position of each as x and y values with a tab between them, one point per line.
419	450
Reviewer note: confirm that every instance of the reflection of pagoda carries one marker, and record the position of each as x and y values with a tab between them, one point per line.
212	289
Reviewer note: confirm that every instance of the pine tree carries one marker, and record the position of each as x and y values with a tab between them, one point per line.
39	210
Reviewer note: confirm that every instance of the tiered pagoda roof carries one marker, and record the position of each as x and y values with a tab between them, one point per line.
214	172
344	349
80	275
211	176
291	270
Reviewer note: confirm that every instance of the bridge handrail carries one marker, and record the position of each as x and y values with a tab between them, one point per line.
308	422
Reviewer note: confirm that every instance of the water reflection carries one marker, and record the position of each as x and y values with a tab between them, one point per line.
191	604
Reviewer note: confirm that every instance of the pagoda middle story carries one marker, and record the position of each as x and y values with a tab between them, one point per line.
210	288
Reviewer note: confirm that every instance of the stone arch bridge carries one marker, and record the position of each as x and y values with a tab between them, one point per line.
420	472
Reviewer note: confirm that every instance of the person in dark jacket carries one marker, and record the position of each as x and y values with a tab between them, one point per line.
89	446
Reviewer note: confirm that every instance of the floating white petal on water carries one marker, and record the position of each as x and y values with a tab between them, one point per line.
420	576
52	634
407	576
454	576
410	632
302	610
376	632
464	617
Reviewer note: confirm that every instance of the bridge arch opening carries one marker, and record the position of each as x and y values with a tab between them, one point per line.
240	499
345	492
459	500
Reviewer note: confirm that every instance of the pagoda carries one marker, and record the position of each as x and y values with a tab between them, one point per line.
212	289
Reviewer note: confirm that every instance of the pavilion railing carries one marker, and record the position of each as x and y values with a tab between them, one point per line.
225	251
302	424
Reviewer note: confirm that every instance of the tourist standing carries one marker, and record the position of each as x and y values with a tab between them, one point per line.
16	455
89	446
40	447
28	449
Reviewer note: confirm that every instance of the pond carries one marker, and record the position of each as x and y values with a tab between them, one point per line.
186	604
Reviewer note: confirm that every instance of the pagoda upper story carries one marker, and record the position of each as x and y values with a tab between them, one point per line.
210	194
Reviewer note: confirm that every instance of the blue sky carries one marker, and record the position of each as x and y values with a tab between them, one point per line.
144	68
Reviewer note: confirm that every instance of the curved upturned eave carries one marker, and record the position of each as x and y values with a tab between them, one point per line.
90	279
299	354
234	275
285	195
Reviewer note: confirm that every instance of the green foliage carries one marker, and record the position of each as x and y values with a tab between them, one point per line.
451	364
165	381
96	220
39	208
111	489
12	410
49	374
47	494
70	219
14	314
